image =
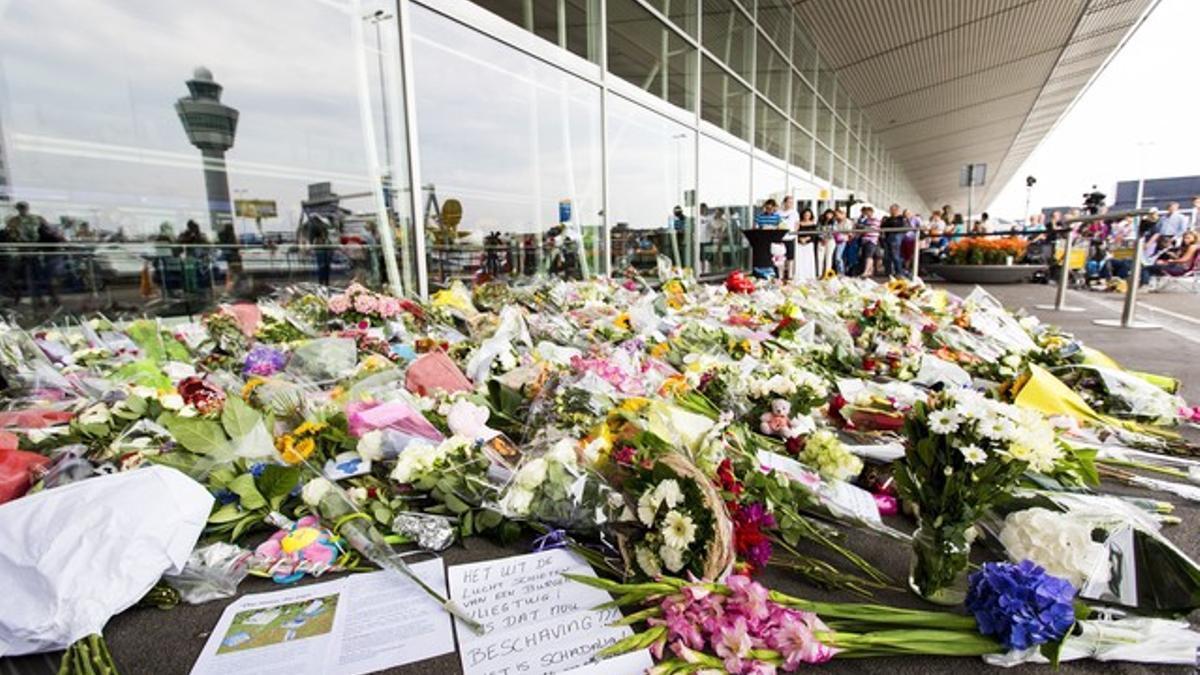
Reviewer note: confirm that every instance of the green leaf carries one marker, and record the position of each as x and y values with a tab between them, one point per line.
238	418
243	486
226	514
242	525
455	504
277	482
201	436
467	526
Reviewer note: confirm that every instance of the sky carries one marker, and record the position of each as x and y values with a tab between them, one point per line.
1142	110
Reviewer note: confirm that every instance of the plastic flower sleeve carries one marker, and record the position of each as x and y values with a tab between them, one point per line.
324	359
212	572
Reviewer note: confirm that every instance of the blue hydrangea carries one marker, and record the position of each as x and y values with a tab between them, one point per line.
225	496
257	469
1020	605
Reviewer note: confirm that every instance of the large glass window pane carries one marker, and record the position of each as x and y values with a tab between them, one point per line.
643	51
804	104
775	19
770	182
843	140
825	125
729	35
574	30
804	53
725	101
821	162
682	13
802	150
724	206
770	131
827	84
773	73
652	182
516	143
180	170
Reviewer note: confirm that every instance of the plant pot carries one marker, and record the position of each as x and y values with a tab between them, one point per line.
984	274
938	567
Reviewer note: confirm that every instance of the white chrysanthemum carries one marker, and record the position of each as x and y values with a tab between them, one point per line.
315	490
532	474
668	492
647	507
944	421
370	446
649	563
678	530
672	558
973	454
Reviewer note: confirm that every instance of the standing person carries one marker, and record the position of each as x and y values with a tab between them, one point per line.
1171	227
719	230
768	217
935	231
789	219
321	240
25	228
841	237
1195	213
703	234
806	262
947	214
868	242
893	255
957	227
825	243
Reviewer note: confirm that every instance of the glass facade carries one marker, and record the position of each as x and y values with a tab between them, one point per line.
569	137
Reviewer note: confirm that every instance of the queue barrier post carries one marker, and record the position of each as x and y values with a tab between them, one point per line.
1129	310
1064	277
916	259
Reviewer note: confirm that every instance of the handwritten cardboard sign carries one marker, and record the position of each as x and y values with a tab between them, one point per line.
537	620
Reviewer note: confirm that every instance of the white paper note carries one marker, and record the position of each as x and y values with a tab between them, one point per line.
353	625
840	497
537	620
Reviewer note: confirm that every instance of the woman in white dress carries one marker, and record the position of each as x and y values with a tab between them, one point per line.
806	258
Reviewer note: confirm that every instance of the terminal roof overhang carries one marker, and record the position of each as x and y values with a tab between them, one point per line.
951	82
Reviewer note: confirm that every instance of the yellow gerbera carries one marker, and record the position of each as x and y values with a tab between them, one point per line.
308	428
299	452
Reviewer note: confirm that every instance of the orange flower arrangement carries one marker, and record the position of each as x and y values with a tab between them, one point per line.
986	250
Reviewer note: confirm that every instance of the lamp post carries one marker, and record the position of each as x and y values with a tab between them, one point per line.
210	126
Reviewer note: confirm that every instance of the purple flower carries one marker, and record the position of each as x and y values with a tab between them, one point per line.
264	361
1020	605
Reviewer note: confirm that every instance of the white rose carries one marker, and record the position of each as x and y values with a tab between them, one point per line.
171	401
143	392
314	491
469	420
358	495
668	491
370	446
532	474
517	501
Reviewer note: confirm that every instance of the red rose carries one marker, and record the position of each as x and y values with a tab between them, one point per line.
202	395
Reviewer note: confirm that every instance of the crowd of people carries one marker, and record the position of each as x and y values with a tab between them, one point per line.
869	244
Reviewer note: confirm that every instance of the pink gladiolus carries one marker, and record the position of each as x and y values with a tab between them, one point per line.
733	643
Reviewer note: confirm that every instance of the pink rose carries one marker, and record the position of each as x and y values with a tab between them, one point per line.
365	303
338	304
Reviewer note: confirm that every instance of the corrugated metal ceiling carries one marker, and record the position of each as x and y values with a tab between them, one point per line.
948	82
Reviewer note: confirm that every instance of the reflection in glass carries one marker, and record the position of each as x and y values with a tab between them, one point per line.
770	182
770	131
120	181
804	105
729	36
682	13
827	84
651	181
724	101
724	206
570	24
516	144
821	163
775	19
825	127
801	155
773	74
804	52
644	51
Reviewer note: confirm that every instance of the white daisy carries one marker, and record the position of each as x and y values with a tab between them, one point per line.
944	421
973	454
678	530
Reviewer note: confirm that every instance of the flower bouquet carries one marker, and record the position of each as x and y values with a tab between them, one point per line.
963	453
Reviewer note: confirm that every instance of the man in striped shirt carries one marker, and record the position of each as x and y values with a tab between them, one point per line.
768	217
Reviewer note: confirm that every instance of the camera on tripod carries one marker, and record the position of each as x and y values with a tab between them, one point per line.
1093	201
